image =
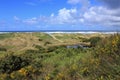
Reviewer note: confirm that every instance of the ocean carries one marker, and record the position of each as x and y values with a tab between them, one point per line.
66	31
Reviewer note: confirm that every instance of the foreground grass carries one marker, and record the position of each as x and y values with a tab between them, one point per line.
43	62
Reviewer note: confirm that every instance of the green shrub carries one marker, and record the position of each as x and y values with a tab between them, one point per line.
12	63
3	49
94	40
104	63
47	42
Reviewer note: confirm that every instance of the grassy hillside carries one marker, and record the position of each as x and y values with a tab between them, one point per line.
17	42
40	56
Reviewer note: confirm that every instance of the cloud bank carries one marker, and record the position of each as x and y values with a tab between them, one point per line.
97	15
113	4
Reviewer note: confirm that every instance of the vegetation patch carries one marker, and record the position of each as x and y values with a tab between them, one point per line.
101	61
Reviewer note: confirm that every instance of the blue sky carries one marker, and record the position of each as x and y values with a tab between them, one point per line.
59	15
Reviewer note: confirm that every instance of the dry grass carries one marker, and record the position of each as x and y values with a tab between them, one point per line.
23	41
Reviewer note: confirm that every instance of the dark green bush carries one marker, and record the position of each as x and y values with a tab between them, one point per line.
12	63
94	40
3	49
47	42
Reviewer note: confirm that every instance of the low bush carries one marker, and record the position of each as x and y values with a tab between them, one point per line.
12	63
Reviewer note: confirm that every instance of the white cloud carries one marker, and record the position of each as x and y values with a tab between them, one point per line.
52	15
66	15
16	18
112	4
95	16
31	21
102	16
83	5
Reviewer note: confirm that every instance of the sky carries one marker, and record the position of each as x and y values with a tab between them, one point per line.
20	15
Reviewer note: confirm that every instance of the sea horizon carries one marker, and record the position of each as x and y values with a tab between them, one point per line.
65	31
61	31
